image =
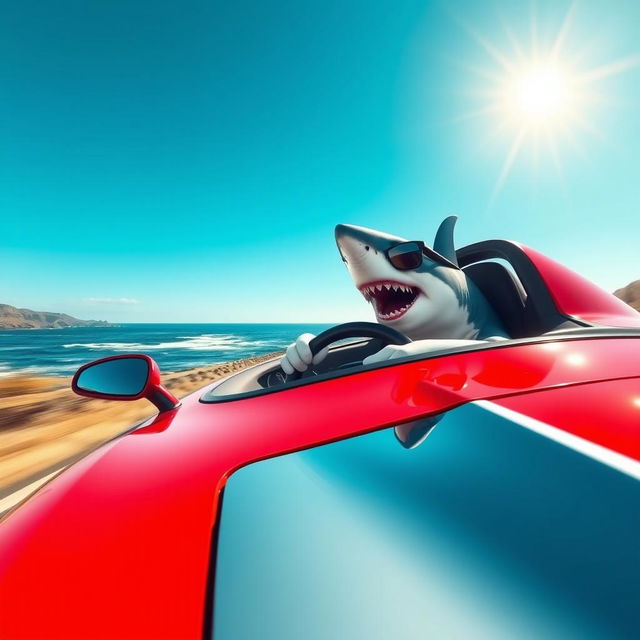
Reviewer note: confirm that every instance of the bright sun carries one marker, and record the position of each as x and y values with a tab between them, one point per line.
539	96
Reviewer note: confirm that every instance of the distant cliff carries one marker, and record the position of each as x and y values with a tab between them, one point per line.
14	318
630	294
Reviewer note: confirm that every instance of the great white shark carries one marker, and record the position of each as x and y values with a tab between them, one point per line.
434	304
433	301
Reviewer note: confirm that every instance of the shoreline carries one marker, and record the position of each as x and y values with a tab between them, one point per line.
44	426
74	326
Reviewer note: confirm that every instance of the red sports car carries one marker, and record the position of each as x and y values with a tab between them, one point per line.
517	517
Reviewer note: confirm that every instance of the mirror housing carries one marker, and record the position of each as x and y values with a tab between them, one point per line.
125	377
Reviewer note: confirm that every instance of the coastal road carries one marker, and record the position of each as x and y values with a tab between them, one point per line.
10	501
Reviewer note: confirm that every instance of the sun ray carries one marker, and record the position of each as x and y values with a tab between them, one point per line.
563	32
509	161
610	69
534	30
493	51
595	98
504	62
515	45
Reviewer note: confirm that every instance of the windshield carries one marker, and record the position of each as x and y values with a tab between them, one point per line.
486	530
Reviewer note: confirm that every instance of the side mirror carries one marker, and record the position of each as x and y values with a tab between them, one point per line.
128	377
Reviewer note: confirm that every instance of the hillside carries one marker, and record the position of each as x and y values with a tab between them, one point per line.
630	294
14	318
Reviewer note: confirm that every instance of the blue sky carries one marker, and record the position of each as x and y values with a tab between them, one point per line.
166	161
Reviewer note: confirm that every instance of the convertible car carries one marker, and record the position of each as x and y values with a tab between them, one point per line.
330	506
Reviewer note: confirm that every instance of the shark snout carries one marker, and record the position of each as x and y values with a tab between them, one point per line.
358	244
352	250
364	253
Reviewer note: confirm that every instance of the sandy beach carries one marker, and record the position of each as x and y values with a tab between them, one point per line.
44	426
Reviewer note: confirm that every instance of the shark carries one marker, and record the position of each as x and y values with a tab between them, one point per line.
418	290
434	300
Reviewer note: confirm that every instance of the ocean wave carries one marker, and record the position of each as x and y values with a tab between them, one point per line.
206	342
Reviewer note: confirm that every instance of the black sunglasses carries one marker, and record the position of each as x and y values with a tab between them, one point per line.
409	255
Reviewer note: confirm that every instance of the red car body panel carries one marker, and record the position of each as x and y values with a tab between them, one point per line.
579	298
119	545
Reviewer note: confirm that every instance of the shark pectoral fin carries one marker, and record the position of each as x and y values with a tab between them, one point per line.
411	434
386	353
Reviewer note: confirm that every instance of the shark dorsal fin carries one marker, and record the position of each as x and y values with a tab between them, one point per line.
443	243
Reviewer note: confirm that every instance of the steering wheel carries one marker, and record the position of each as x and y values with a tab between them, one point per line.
386	335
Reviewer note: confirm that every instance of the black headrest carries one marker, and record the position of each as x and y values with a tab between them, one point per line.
521	298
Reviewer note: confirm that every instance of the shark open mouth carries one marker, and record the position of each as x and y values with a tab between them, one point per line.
391	300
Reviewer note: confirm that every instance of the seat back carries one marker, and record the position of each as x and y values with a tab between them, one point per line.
520	297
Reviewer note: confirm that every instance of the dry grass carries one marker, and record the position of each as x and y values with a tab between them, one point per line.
44	425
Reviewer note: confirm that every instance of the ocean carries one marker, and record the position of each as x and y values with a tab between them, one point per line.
59	352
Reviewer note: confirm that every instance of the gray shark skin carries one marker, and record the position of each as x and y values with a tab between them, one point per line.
433	301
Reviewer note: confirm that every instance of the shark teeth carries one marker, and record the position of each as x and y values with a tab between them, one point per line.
390	299
394	314
371	289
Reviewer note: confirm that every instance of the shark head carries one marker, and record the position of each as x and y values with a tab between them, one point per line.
434	300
